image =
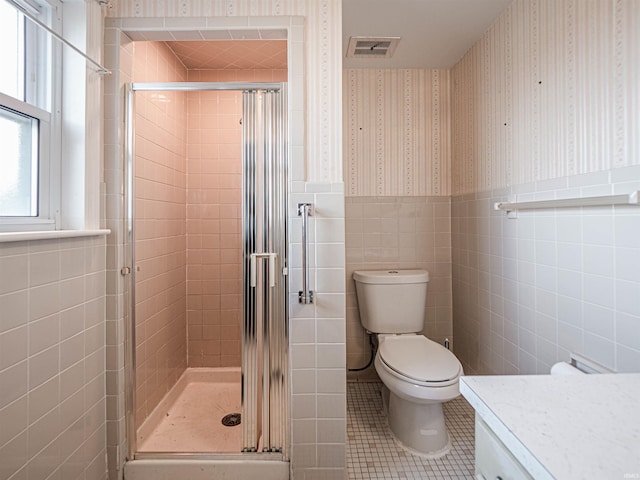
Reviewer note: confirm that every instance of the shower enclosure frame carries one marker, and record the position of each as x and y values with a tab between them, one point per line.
274	366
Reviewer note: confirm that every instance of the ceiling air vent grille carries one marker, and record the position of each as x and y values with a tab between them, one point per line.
378	47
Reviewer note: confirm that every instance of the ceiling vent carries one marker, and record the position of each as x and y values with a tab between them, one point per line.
376	47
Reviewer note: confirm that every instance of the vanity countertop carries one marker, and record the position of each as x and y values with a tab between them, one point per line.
563	426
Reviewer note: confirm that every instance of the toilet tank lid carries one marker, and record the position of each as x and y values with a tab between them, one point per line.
386	277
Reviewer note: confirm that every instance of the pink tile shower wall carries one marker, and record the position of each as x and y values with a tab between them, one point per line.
52	359
160	227
238	75
214	216
214	256
398	232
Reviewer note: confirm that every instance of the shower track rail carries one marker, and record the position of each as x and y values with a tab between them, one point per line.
204	86
262	456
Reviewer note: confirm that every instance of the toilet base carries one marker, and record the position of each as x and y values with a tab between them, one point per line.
417	427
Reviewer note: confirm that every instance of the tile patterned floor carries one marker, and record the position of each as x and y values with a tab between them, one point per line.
372	453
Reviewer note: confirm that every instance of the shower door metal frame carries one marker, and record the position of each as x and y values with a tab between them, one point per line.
265	289
276	364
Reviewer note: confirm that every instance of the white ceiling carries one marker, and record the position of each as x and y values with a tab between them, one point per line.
434	33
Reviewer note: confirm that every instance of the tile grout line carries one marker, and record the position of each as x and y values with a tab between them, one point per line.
372	453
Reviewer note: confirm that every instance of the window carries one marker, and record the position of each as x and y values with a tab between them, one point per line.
27	94
18	185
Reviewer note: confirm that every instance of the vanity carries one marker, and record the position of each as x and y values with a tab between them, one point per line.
556	427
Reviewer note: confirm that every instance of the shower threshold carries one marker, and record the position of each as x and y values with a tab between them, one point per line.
192	468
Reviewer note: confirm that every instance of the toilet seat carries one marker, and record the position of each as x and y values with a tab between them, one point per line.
420	361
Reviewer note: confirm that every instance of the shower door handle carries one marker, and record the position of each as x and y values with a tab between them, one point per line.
253	267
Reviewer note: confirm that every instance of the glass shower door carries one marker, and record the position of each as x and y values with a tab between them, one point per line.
265	335
264	331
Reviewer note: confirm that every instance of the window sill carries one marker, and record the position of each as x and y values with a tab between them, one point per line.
49	234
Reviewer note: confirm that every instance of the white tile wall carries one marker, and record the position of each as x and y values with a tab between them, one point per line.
528	291
318	407
398	232
52	348
118	50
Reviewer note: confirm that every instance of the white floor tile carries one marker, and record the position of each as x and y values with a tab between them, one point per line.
372	453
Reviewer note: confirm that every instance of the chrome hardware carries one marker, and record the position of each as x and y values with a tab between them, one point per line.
35	19
305	296
264	332
265	356
308	299
253	268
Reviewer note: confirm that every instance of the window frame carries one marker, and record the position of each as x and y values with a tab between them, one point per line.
42	102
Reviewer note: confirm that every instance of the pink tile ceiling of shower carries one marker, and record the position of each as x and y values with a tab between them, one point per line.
231	54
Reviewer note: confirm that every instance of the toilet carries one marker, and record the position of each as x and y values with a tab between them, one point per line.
418	374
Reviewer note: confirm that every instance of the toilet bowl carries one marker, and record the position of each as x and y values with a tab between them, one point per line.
416	389
418	374
418	369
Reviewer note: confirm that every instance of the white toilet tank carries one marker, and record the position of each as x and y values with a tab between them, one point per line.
392	301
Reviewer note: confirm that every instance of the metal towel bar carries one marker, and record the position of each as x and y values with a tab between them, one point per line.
606	200
305	295
587	365
101	70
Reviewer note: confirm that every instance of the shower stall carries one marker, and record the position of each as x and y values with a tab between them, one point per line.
207	328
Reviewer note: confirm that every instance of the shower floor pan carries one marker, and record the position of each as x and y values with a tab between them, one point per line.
189	418
184	436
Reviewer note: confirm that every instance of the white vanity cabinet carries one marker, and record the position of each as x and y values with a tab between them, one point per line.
493	460
555	427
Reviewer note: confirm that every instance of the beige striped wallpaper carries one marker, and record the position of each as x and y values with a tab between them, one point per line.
396	132
208	8
551	90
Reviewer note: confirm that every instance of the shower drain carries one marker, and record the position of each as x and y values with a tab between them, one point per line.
231	420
